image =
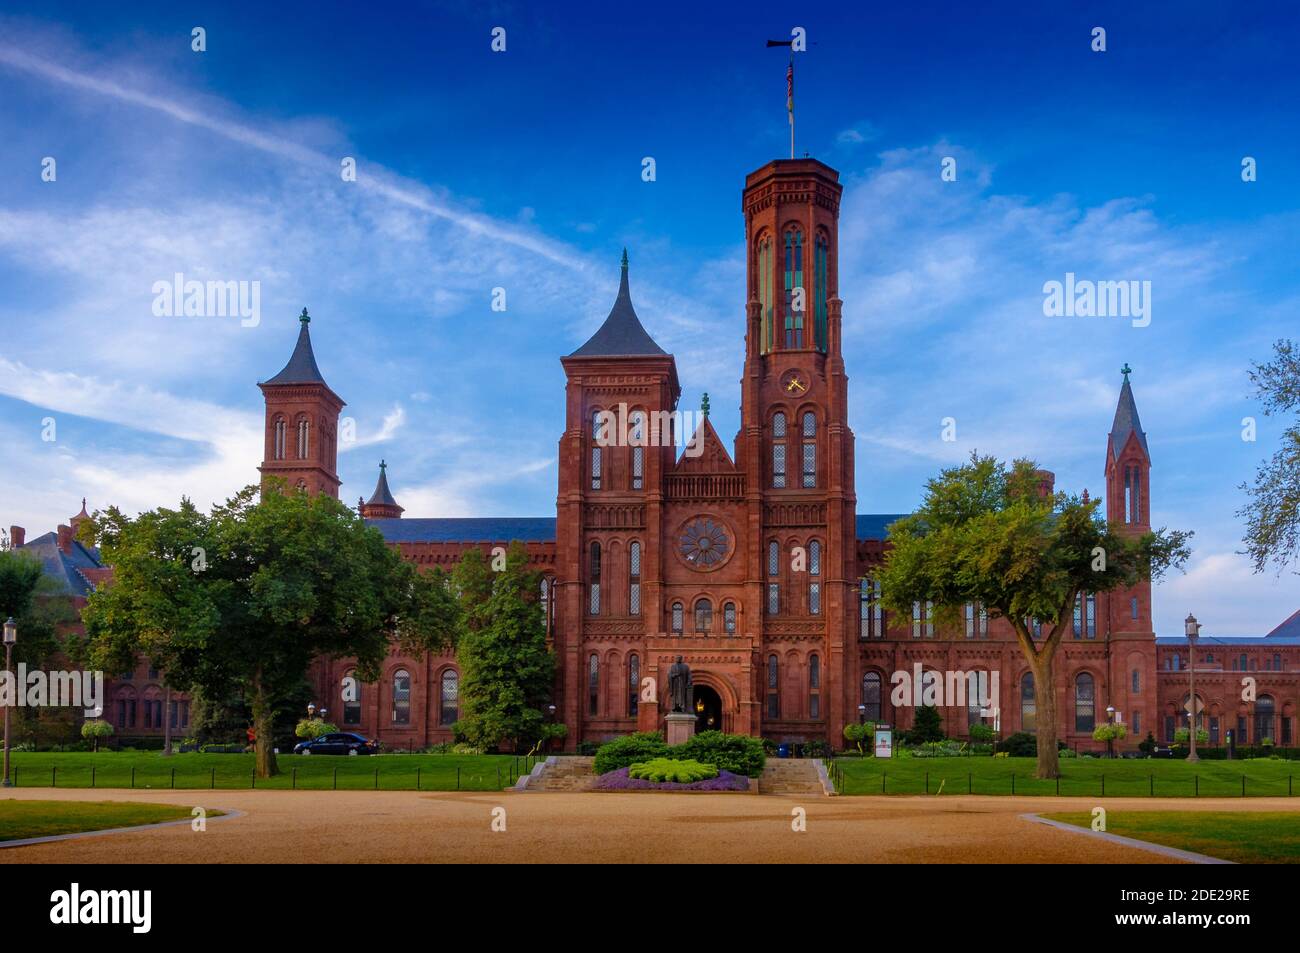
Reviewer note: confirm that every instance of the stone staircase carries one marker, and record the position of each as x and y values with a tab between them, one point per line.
566	774
791	777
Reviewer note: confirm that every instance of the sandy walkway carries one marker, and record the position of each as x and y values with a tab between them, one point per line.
404	826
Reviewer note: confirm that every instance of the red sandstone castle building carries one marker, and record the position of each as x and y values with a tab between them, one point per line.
756	567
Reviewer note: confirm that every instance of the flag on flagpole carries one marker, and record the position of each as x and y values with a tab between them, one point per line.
789	89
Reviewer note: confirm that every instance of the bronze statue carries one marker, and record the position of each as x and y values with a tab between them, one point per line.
681	691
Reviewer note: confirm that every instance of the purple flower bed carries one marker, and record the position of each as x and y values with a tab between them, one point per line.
619	781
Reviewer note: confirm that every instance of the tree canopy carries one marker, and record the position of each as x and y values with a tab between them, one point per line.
985	534
1272	511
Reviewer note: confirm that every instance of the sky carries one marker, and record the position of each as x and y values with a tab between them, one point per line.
522	169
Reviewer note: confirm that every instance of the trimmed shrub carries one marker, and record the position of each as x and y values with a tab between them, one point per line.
739	754
679	771
1020	745
629	750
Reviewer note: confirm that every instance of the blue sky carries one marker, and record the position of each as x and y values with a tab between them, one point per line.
522	170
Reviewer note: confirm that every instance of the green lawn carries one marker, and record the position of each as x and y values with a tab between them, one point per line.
1080	776
149	769
1266	837
23	819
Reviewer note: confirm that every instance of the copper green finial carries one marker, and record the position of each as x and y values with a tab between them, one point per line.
383	465
1126	370
305	318
704	404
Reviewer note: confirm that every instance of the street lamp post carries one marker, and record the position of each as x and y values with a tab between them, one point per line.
1193	629
1110	738
862	714
11	636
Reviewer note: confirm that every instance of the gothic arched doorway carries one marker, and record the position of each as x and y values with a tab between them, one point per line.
708	709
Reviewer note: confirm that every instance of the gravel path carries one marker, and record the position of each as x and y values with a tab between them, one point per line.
405	826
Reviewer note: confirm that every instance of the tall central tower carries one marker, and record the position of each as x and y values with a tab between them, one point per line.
795	445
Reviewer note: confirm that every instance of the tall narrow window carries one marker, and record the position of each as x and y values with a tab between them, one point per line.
278	450
594	606
815	572
821	290
678	618
593	684
977	621
729	618
634	573
703	616
1136	683
596	441
1028	708
637	439
814	686
633	685
1265	710
1085	714
767	335
795	305
1085	615
871	696
401	697
449	699
870	609
778	451
773	575
304	429
546	603
923	620
352	699
1133	607
773	690
809	449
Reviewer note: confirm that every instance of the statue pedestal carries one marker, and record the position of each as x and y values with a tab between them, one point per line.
681	726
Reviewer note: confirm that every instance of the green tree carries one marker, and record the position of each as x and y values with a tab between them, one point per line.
33	601
284	579
984	534
1272	512
507	672
927	725
93	729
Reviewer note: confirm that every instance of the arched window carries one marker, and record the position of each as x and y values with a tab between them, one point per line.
351	692
1132	494
763	252
703	616
773	689
1136	684
773	577
634	578
778	450
871	612
594	604
304	432
871	697
977	621
815	577
636	437
597	439
152	705
821	289
1085	615
729	618
809	449
593	684
1028	707
1133	607
278	449
814	686
978	690
678	618
1264	712
401	697
449	707
633	685
1085	703
125	708
794	309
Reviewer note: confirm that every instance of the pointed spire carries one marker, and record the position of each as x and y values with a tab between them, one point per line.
301	368
382	495
1126	419
83	515
622	334
704	404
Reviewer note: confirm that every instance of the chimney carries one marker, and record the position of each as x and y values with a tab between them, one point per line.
17	536
65	538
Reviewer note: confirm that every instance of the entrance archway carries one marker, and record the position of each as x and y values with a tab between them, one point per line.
708	709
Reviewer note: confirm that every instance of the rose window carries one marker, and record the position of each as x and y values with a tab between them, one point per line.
704	543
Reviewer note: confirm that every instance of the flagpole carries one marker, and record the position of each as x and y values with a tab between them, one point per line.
791	102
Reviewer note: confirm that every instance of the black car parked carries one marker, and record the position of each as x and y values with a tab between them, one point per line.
337	742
